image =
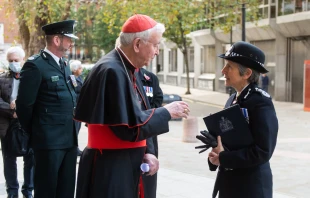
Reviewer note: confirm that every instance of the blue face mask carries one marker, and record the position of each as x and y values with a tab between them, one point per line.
15	66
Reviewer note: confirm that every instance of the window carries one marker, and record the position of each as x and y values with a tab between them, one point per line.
209	57
292	6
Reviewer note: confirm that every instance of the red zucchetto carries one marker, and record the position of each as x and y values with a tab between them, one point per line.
138	23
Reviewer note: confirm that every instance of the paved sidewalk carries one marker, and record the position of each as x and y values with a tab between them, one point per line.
184	173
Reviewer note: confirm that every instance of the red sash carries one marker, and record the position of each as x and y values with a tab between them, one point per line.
102	137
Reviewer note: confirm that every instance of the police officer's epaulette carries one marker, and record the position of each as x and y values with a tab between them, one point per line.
33	57
262	92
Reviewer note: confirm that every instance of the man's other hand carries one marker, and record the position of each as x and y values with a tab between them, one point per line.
153	162
178	109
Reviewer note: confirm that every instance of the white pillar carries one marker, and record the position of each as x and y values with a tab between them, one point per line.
153	66
219	63
197	61
166	62
282	88
180	60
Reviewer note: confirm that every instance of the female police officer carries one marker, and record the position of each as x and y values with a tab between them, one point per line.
246	172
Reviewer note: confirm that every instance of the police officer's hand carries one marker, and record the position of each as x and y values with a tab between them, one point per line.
178	109
207	139
215	153
214	158
153	162
219	147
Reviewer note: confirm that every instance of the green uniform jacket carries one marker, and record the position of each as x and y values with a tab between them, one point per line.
45	103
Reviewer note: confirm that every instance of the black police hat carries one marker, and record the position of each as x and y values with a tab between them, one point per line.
247	55
63	27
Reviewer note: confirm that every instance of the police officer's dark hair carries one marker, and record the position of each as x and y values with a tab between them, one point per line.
254	76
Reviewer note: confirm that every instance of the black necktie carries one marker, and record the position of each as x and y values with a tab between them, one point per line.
62	65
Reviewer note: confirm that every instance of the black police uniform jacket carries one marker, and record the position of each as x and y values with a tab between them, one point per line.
154	94
112	96
246	172
45	103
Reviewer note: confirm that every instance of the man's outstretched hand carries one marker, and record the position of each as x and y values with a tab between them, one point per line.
178	109
207	139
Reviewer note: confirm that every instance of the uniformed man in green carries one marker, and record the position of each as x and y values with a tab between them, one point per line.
45	106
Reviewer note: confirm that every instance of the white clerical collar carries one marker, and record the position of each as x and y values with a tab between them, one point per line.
126	57
56	58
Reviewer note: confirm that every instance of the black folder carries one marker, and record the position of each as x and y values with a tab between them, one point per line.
232	126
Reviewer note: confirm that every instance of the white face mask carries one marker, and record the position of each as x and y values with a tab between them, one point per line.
15	66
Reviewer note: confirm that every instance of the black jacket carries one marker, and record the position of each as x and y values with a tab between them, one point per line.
6	113
151	87
45	103
153	92
246	172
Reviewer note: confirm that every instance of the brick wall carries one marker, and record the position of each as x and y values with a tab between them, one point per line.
9	25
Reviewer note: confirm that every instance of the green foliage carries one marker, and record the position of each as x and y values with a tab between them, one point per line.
44	9
224	14
85	72
99	24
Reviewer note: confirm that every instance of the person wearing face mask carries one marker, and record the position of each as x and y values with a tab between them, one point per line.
77	69
45	107
9	84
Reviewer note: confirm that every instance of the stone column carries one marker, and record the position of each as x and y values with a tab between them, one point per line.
180	62
190	129
281	86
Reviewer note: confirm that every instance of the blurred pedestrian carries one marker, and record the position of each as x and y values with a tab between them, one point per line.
9	84
77	69
154	95
114	106
265	82
45	107
246	172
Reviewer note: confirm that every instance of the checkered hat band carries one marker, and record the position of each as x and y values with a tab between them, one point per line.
234	54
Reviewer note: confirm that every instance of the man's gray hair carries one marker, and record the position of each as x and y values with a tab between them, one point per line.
127	38
254	76
75	65
16	50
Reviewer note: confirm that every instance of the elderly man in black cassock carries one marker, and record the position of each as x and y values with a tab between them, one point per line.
113	104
